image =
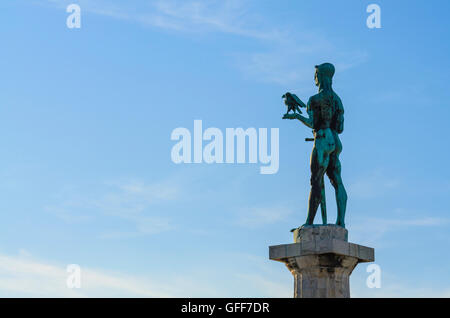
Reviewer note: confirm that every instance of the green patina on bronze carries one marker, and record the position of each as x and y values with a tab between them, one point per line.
326	118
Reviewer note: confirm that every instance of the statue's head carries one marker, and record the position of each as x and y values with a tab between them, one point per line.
324	73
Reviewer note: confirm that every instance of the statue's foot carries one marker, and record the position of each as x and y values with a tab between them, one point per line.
340	224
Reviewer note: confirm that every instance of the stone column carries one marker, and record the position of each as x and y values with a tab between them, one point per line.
321	261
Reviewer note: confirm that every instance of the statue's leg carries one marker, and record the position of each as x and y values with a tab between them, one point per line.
319	163
334	173
323	204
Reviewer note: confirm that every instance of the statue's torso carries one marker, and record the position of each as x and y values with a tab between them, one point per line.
324	109
327	120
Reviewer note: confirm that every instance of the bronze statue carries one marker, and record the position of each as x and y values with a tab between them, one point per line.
326	118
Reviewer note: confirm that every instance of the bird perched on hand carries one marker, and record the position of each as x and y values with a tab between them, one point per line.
292	102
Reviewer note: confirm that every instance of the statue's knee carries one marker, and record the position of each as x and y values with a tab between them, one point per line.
315	185
344	194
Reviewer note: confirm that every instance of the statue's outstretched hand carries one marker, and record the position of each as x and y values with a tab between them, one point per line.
290	116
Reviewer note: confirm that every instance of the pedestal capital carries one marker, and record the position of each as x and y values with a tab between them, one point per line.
321	260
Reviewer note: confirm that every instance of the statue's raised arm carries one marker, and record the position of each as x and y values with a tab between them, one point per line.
308	121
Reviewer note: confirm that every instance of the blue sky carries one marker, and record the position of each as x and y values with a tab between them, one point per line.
86	116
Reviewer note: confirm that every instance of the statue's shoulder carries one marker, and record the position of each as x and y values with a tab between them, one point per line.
316	102
336	96
313	100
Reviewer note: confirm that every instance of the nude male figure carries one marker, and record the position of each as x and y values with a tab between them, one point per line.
326	118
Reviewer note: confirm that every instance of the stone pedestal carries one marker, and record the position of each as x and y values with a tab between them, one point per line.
321	261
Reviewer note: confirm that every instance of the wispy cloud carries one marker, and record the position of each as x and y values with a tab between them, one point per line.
285	56
26	277
260	216
371	230
189	16
220	16
131	201
273	289
373	184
